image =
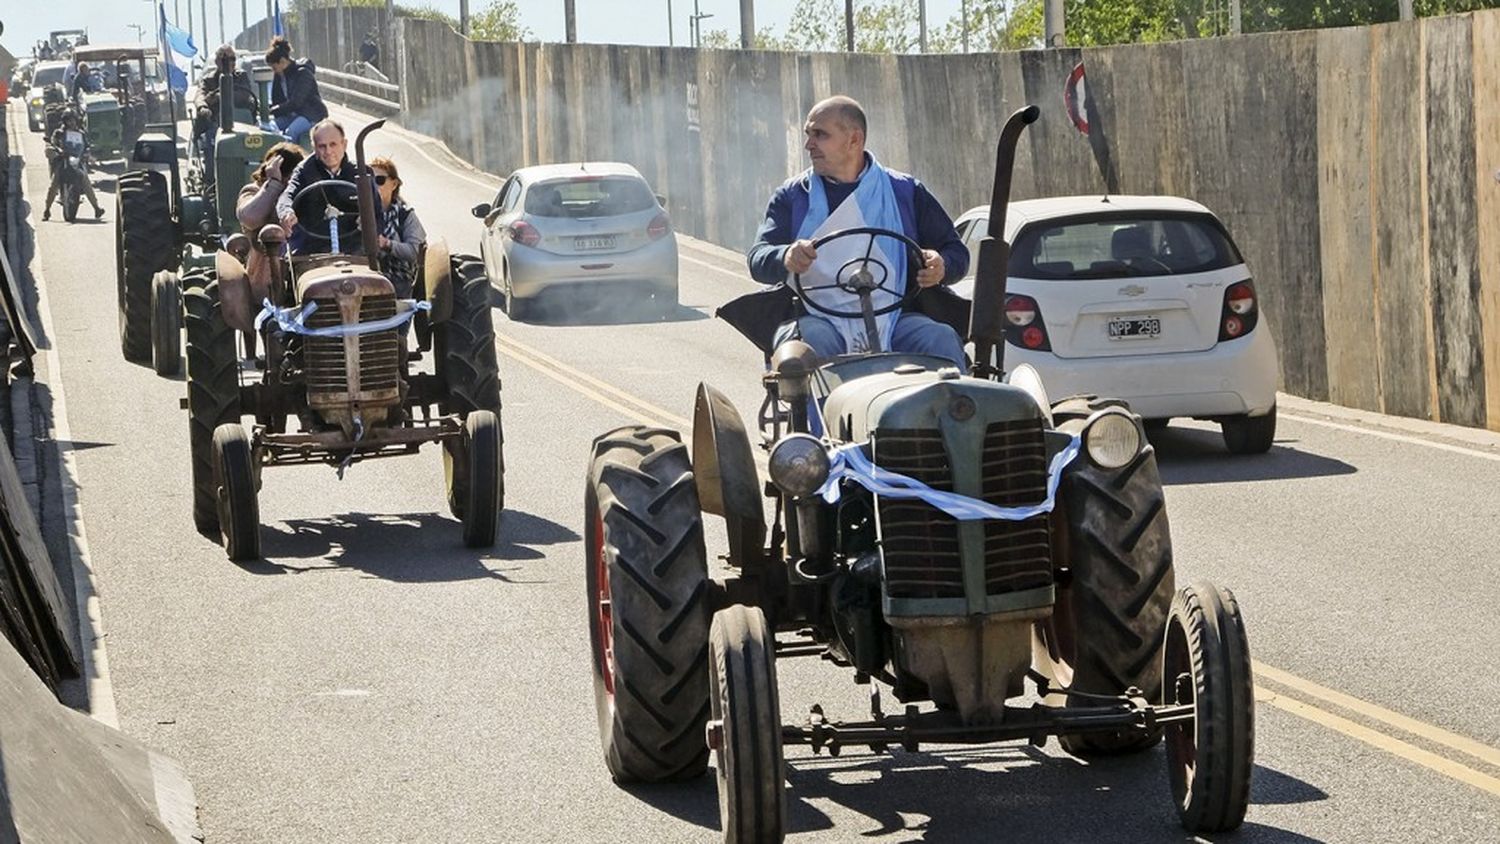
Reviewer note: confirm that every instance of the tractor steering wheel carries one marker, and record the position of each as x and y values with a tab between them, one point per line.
864	275
329	199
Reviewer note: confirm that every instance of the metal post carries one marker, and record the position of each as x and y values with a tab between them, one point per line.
570	21
1234	17
338	35
221	21
921	26
388	61
244	15
463	16
1406	11
1053	24
963	11
849	25
671	41
204	47
190	19
747	24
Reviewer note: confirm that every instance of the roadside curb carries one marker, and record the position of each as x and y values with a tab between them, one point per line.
1478	439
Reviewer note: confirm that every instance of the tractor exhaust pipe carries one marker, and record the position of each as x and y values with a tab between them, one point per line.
986	322
226	97
366	188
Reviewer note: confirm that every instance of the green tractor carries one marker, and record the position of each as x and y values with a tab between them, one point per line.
1001	563
169	224
133	97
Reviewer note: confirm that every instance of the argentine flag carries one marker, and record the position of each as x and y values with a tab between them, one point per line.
178	50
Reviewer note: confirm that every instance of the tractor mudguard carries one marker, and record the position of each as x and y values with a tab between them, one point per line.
237	299
437	280
724	466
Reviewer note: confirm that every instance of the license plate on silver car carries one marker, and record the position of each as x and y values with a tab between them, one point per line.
1134	328
594	243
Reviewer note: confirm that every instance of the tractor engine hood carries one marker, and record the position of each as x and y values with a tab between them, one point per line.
911	397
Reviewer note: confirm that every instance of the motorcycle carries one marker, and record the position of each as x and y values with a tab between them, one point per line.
75	173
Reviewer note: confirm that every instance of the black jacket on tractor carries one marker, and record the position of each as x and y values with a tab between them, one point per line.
296	92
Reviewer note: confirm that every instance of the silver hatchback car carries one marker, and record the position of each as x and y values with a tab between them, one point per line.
591	227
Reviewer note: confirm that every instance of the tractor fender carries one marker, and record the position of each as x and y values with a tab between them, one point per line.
1029	380
727	480
237	301
437	280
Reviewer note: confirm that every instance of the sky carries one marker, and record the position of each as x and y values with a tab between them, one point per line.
602	21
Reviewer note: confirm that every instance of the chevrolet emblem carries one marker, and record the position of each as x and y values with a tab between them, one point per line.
1132	290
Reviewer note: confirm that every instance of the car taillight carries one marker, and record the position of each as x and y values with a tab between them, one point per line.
524	233
1026	327
1241	311
659	227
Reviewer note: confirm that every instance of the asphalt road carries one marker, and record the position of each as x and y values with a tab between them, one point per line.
371	680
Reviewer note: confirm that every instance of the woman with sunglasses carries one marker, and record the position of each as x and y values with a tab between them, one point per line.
401	234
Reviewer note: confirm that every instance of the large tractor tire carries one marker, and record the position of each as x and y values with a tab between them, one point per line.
145	244
748	758
1210	758
647	579
464	346
213	389
1105	633
166	323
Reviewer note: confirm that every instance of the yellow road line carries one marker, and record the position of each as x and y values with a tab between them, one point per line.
539	358
1436	735
550	372
1377	739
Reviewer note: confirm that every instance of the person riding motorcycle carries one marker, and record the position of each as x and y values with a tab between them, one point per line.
68	139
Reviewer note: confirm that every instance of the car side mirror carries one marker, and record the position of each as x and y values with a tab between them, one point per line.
661	200
481	210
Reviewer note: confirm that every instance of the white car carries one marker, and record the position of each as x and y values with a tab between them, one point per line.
1144	298
582	227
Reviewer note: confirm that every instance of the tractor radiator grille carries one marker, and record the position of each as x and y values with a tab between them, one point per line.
920	542
323	357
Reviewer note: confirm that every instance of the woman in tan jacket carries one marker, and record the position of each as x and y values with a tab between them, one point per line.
256	205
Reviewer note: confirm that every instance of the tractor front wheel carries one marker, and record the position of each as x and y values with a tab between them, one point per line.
234	484
166	323
647	579
746	727
1207	666
481	492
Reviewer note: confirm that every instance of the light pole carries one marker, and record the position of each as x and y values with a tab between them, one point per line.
1053	23
849	26
921	26
671	42
697	18
1406	10
747	24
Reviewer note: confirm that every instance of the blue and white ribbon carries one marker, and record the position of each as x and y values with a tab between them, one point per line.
294	320
848	462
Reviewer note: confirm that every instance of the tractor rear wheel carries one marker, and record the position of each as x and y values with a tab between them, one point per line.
464	346
1105	633
234	486
166	323
746	715
647	580
145	244
213	390
1209	759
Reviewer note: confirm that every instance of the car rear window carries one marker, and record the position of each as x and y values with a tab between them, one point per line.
1123	246
594	196
48	75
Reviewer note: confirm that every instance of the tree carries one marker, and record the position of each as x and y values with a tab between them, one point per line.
499	21
993	25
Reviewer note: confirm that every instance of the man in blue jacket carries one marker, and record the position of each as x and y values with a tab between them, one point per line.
843	171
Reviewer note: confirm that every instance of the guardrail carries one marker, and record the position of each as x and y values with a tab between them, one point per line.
381	99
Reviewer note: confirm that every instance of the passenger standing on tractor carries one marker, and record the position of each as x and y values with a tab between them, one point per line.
329	162
57	161
256	206
842	170
85	81
401	233
295	101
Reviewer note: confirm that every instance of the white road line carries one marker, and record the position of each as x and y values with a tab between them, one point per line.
1388	435
101	691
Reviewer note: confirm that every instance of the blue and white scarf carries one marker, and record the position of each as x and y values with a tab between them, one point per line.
875	199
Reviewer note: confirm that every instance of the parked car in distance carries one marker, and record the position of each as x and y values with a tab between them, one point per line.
46	73
1146	298
589	228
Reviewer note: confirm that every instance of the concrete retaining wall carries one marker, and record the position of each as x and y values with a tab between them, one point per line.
1355	167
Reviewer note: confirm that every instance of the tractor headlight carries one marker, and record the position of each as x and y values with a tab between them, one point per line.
799	465
1112	439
